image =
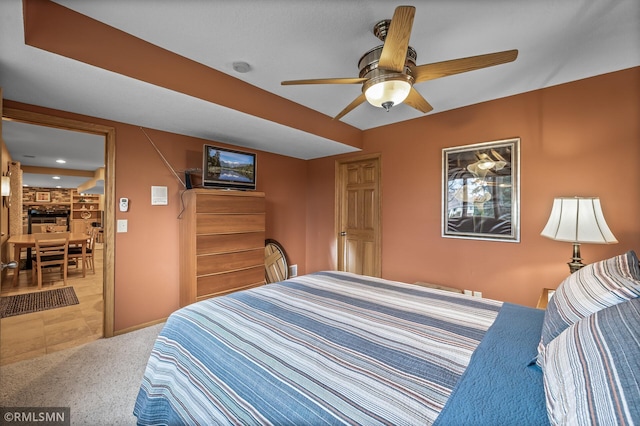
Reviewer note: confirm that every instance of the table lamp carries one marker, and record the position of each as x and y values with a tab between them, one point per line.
578	220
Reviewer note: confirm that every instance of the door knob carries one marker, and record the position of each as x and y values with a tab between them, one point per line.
10	265
343	234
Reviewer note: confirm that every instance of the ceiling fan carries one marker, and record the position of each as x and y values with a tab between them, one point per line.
389	71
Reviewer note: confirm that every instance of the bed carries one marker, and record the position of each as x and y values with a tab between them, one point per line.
339	348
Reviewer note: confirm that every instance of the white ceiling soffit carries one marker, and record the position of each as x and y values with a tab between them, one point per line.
68	85
557	41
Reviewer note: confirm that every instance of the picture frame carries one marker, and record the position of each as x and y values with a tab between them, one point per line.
481	191
43	197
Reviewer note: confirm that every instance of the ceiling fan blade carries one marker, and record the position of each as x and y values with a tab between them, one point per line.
325	81
394	52
356	102
457	66
416	101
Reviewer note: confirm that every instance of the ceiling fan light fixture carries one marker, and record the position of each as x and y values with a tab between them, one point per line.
389	71
385	91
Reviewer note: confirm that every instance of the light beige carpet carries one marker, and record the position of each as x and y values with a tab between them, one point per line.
99	381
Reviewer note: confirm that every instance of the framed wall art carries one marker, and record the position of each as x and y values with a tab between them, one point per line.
43	197
481	191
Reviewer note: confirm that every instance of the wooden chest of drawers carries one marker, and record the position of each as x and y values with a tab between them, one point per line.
221	243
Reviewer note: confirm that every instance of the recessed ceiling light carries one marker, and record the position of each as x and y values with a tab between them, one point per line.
56	177
61	161
58	186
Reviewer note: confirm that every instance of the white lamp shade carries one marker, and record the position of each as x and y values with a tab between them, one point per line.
395	91
578	220
6	186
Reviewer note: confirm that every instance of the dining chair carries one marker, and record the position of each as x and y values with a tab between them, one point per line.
75	252
50	250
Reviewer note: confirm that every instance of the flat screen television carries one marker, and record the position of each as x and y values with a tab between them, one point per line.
228	168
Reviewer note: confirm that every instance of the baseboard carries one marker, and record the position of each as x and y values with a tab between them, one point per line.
139	327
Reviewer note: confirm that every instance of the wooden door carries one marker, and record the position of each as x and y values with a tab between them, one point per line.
358	215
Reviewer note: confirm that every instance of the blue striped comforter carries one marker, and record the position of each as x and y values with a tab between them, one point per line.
325	348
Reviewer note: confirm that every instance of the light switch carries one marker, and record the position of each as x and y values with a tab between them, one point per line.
122	225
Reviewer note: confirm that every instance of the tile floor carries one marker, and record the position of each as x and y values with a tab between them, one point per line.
31	335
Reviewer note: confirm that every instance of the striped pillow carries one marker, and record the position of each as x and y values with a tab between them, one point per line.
592	369
591	289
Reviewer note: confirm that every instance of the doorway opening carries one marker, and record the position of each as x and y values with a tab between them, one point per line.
106	262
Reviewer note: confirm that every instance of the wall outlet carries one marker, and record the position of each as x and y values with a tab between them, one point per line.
477	294
293	271
468	292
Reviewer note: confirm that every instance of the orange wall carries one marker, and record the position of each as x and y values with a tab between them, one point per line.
581	138
146	257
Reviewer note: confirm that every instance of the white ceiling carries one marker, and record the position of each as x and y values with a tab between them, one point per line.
558	42
40	146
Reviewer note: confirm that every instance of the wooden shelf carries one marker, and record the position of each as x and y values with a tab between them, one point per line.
39	204
85	210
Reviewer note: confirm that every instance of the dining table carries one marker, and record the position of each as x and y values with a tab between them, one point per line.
28	241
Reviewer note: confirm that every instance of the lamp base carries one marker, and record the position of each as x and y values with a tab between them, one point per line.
576	260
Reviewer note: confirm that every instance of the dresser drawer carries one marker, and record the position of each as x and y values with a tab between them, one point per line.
229	223
225	204
223	262
218	284
223	243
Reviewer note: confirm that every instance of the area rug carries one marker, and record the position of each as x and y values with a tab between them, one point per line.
34	302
